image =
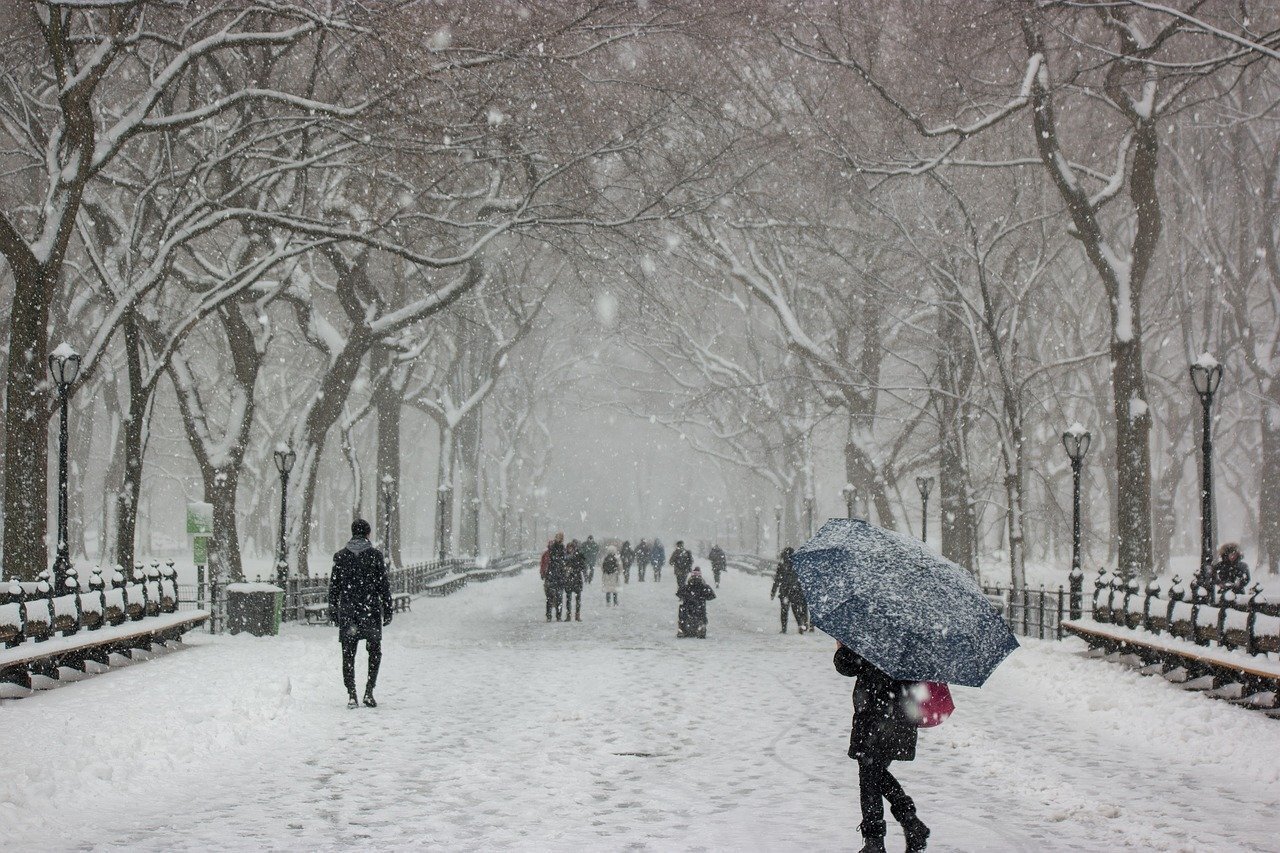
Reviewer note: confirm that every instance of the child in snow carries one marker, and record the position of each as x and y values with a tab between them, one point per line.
883	731
694	595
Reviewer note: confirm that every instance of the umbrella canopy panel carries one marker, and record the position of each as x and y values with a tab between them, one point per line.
910	612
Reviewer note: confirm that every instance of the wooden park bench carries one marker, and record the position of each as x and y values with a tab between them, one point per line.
318	614
1228	649
44	633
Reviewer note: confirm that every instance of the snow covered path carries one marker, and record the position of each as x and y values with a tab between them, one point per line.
499	731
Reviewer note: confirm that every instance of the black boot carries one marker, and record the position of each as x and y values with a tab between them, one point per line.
352	701
368	698
917	834
872	836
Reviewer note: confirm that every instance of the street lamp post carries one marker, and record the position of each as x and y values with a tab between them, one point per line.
388	492
1206	375
777	524
848	491
759	532
1076	440
925	485
808	514
285	457
64	365
522	543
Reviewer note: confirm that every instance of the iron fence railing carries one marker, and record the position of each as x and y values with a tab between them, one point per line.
302	592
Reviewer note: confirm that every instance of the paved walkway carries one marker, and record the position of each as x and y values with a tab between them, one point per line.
498	731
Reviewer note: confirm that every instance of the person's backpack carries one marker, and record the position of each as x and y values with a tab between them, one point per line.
929	704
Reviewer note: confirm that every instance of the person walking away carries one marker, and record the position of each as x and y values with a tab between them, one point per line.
719	560
882	732
591	550
1230	572
554	586
575	575
657	557
642	562
786	587
360	604
681	563
626	555
611	575
692	617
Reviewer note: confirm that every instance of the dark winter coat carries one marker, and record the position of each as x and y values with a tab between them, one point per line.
642	554
682	562
1231	575
591	550
627	554
786	583
555	566
718	559
882	730
360	591
694	596
657	554
575	571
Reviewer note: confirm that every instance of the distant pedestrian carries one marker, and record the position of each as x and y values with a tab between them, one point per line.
657	557
692	616
1231	572
719	561
642	562
786	586
591	550
553	583
574	576
360	605
611	575
626	555
681	563
883	732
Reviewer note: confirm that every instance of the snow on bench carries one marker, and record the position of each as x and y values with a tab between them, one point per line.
1229	649
93	624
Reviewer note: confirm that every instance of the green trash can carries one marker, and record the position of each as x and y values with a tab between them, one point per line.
254	608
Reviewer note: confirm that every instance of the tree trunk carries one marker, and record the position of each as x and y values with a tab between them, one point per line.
26	425
1269	485
133	444
467	482
1133	465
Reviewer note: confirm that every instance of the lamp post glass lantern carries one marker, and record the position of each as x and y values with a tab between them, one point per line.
847	493
1076	441
285	457
64	367
1206	376
924	485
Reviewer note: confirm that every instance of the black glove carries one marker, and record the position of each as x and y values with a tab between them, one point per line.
386	619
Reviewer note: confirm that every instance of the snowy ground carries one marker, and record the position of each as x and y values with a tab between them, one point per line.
498	731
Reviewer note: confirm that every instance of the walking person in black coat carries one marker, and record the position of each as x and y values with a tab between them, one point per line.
626	554
360	605
642	561
883	732
786	586
719	561
693	595
575	572
553	584
681	563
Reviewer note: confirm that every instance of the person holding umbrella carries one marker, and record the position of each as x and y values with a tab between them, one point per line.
883	731
902	615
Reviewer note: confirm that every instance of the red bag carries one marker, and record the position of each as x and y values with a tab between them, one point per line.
930	704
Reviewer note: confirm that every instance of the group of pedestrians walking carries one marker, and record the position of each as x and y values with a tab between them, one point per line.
645	556
565	570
